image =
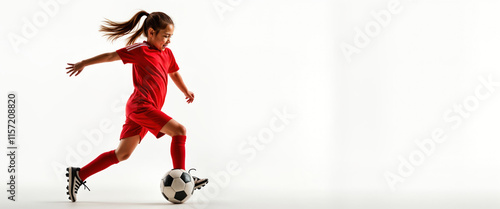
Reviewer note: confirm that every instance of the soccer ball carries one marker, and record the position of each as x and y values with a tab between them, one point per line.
177	186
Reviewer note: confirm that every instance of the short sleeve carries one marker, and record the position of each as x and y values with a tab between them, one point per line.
173	64
130	53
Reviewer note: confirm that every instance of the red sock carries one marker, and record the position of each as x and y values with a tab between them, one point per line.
100	163
178	151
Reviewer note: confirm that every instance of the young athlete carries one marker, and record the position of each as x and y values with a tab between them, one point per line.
151	62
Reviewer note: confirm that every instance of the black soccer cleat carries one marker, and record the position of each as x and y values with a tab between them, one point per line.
198	183
74	183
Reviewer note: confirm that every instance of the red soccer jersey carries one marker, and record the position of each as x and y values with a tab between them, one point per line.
150	74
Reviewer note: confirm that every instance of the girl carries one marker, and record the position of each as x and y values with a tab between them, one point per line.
151	62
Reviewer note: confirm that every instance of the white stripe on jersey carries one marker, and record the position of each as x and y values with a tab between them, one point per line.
135	46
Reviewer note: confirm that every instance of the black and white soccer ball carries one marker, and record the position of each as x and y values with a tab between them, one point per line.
177	186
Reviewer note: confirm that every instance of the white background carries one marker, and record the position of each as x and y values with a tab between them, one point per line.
353	120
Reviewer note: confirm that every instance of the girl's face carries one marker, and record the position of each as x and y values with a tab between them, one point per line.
161	39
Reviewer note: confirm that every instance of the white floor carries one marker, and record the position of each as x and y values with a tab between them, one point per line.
115	201
139	198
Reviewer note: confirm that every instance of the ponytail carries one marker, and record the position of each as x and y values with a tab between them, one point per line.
115	30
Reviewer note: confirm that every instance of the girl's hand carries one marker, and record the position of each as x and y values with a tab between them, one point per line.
75	68
189	96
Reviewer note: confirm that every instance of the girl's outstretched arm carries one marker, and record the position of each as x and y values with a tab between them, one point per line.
78	67
177	79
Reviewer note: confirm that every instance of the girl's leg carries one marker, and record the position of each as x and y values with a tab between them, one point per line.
178	150
177	146
126	147
173	128
123	152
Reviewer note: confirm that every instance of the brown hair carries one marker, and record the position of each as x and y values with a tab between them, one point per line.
155	20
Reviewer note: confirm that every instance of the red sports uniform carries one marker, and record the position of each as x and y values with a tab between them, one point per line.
150	74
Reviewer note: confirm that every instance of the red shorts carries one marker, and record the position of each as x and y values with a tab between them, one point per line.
143	119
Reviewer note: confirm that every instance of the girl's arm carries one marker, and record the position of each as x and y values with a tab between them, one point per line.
78	67
177	79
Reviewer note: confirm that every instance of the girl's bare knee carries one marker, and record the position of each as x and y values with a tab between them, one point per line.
181	130
123	156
